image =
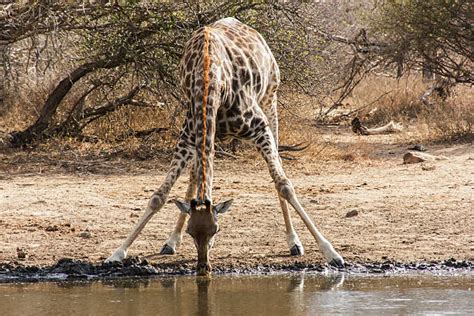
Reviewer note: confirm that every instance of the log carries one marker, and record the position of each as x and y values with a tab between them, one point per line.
388	128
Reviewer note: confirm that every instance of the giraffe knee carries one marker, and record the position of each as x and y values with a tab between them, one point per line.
155	202
286	190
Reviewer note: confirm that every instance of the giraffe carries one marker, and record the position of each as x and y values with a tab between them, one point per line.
230	79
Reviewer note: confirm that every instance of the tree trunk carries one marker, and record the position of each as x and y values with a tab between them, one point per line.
3	75
53	101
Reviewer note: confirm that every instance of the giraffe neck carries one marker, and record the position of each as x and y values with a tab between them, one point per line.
206	68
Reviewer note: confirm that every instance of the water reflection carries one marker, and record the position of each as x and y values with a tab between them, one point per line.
297	294
296	283
203	306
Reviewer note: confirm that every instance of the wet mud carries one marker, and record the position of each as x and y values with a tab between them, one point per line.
136	267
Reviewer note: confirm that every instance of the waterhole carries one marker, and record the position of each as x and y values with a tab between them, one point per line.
291	294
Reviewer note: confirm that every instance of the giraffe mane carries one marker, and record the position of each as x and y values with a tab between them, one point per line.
205	79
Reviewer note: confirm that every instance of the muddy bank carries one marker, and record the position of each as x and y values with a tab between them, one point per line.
71	269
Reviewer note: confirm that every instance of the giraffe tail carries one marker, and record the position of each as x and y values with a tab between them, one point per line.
296	147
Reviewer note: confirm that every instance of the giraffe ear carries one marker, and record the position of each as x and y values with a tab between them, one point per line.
223	207
183	206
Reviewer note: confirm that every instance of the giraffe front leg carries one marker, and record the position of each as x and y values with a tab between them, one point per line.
169	248
180	160
174	240
294	243
266	146
287	191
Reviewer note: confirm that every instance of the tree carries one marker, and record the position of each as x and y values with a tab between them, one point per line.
117	47
435	35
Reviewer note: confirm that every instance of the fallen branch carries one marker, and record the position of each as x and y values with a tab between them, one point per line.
388	128
141	134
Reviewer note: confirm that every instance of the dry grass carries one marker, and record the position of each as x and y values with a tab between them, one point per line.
384	99
379	100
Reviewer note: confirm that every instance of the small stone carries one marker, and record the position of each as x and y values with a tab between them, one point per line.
85	234
21	253
52	228
426	167
352	213
418	147
410	158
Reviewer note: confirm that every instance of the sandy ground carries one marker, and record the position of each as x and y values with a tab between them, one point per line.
406	213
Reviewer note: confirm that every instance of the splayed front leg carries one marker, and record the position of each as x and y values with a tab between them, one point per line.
154	205
266	146
169	248
182	156
332	257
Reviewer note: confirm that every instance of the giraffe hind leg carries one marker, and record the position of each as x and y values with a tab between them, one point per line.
265	144
180	160
294	243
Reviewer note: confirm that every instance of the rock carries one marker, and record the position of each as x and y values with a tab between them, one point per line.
416	157
418	147
410	158
85	234
352	213
52	228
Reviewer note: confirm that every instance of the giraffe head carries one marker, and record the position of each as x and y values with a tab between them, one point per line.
203	226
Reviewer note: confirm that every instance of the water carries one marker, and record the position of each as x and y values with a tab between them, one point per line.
246	295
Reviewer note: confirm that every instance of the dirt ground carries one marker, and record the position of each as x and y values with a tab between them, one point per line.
406	213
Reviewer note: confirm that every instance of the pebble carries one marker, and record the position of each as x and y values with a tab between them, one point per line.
52	228
352	213
85	234
21	253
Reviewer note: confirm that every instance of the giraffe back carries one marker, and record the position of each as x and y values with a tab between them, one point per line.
243	74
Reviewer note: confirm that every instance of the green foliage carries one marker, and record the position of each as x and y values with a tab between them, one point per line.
436	34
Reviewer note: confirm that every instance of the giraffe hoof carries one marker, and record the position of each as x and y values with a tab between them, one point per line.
167	250
337	263
297	250
117	256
